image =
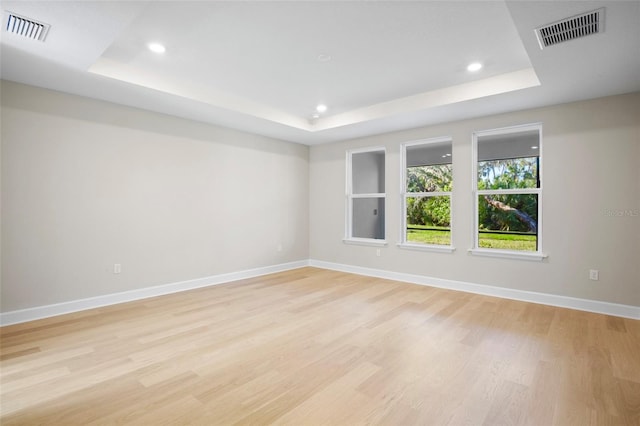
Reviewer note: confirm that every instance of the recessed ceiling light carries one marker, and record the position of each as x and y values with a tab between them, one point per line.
473	67
315	116
156	47
534	147
321	108
324	57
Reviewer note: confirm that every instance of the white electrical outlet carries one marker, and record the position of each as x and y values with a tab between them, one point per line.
378	252
117	268
594	274
279	247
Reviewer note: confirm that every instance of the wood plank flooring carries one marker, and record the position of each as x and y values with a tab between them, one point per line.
313	347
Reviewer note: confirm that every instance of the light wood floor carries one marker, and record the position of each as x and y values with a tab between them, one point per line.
311	346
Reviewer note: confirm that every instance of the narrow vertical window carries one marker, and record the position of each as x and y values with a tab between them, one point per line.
508	189
366	195
427	182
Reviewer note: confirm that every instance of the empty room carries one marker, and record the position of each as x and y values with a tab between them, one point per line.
320	212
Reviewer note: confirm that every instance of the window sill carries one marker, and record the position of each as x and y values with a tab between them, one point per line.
365	242
506	254
427	247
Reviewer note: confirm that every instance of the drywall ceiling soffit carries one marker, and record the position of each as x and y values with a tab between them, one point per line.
379	66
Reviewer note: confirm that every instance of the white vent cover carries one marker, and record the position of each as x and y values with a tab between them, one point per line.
25	27
571	28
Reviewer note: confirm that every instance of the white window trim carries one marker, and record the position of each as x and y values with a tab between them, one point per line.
509	254
427	247
537	255
349	196
365	242
404	244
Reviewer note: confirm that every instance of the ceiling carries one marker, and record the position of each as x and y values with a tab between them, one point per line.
378	66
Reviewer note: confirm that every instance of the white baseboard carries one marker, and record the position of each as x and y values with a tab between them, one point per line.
626	311
30	314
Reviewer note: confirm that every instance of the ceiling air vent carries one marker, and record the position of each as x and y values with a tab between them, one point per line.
26	27
571	28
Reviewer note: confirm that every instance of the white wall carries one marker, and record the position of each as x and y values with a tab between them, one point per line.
591	175
87	184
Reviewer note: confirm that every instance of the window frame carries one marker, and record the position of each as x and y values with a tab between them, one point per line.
404	194
537	255
350	196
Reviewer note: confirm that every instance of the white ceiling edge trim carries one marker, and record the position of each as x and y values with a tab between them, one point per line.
503	83
118	71
496	85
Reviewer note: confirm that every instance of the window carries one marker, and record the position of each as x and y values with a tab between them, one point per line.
366	196
508	191
427	181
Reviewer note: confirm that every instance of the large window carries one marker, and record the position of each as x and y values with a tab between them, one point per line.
508	190
427	183
366	195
